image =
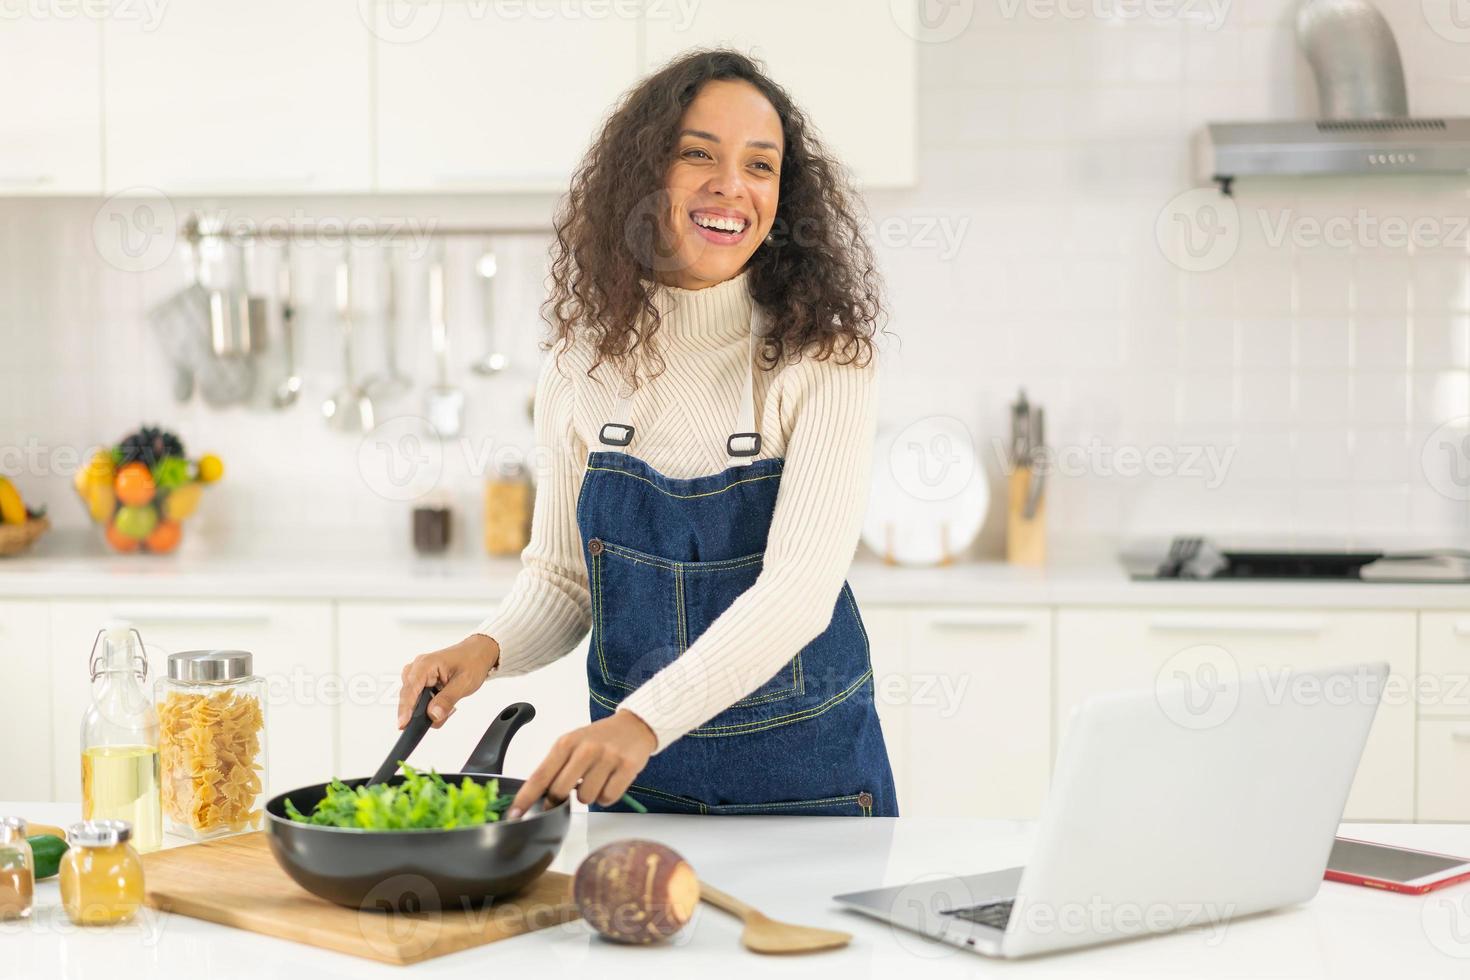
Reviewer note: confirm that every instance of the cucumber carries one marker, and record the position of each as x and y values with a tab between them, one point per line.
47	850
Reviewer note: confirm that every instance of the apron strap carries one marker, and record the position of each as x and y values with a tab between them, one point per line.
742	446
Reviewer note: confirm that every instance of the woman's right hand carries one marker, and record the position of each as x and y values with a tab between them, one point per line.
458	670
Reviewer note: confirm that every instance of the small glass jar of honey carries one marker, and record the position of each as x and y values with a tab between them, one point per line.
101	874
17	870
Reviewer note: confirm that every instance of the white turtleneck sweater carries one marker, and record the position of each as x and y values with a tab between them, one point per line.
817	414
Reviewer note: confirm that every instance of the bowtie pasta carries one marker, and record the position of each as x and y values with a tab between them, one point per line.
210	756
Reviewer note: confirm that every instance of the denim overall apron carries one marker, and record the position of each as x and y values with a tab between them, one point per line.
665	557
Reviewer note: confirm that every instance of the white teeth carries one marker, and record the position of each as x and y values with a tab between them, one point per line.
733	225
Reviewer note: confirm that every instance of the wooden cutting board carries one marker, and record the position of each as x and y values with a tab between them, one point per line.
236	882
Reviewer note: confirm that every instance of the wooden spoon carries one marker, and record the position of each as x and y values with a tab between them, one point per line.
764	935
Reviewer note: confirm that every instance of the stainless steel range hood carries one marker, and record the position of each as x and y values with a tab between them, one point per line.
1364	125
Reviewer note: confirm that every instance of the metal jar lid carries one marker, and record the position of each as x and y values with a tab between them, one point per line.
98	833
210	666
12	829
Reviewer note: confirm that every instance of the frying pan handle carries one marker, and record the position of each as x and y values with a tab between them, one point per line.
489	755
413	734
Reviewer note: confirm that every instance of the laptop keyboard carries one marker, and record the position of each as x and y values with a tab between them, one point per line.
993	914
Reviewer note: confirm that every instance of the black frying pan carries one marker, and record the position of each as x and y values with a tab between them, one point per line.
409	870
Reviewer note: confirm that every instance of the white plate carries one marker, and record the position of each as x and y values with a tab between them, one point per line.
929	494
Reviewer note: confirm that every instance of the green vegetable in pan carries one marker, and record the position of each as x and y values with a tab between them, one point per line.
420	802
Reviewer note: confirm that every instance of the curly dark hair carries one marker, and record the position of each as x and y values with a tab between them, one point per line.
814	278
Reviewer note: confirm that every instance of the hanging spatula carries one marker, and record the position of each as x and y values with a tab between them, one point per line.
444	403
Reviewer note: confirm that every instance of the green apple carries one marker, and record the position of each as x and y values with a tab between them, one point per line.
136	522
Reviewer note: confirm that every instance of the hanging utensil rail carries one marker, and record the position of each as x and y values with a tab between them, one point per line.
193	230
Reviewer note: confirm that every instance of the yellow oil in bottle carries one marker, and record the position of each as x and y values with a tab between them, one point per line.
120	782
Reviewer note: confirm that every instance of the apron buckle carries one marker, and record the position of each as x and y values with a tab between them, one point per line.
620	434
753	447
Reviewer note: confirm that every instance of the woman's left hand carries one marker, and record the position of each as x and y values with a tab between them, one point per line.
599	761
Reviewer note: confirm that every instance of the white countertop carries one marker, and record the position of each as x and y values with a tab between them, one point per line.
66	564
789	867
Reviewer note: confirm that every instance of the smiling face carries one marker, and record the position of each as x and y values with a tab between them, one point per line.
723	186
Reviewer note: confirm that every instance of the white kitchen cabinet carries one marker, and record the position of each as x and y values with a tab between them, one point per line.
270	96
1443	786
887	628
1444	770
378	639
25	724
292	644
976	701
51	128
1444	664
852	67
495	97
1108	650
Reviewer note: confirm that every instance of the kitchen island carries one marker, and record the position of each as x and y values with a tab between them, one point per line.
789	867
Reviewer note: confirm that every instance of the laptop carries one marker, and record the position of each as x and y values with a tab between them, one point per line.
1181	807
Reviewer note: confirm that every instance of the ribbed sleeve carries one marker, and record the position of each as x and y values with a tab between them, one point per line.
549	608
814	533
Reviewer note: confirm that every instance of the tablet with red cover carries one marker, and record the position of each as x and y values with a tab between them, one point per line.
1395	869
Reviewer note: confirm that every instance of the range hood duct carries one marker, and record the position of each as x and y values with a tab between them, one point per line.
1363	124
1353	53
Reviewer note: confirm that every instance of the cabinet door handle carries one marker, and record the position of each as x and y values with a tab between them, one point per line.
25	180
227	183
162	616
1460	734
997	620
522	182
1462	627
445	618
1242	623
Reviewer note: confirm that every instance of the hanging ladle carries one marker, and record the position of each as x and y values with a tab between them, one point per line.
493	361
393	382
289	389
349	407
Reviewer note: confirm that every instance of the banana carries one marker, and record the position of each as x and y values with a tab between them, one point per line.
99	470
101	502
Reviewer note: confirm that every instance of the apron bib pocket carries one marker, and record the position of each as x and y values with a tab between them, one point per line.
674	603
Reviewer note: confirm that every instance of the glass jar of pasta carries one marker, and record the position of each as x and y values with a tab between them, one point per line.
211	743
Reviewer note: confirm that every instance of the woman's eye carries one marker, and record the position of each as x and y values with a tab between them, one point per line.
764	166
696	154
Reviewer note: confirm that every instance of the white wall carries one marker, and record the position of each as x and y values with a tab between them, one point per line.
1059	142
1026	256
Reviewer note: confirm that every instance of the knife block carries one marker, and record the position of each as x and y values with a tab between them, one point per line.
1025	537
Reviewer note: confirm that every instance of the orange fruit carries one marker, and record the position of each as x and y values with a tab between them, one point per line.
134	485
120	541
165	537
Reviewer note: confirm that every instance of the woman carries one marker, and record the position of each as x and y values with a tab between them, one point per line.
709	417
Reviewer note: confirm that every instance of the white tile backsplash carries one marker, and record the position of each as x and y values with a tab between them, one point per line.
1048	150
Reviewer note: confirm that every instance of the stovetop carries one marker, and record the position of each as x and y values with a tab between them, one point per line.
1198	559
